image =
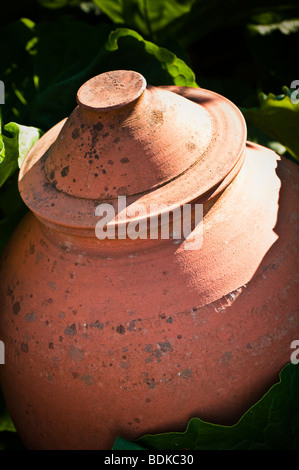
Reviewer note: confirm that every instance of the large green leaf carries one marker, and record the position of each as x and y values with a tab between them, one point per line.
278	117
271	38
34	56
121	49
45	63
148	17
17	41
204	18
15	142
12	209
187	20
271	424
58	3
6	423
9	439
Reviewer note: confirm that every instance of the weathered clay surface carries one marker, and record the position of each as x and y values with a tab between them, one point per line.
126	337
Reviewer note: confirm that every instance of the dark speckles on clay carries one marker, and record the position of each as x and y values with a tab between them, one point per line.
39	256
186	374
132	325
150	383
16	308
125	364
191	146
96	128
165	346
88	379
97	324
121	329
52	175
225	359
71	330
9	292
75	133
122	190
65	171
157	116
24	347
31	317
154	354
124	160
76	354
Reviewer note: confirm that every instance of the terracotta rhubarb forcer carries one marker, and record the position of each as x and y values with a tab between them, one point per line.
129	336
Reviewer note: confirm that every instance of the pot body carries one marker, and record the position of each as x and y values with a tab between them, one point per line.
126	337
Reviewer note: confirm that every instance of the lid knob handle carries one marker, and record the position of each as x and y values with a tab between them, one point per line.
111	90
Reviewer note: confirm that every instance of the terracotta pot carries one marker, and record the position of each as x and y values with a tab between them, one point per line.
130	336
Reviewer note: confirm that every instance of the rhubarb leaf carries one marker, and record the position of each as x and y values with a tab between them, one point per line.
278	117
271	424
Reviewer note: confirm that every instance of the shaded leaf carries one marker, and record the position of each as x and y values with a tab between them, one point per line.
148	17
6	423
124	444
15	142
9	438
206	17
58	3
45	63
278	117
271	424
121	49
271	41
12	209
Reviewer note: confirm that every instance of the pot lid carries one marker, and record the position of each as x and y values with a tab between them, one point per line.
170	145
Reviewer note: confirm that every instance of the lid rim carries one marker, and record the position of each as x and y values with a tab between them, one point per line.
181	190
